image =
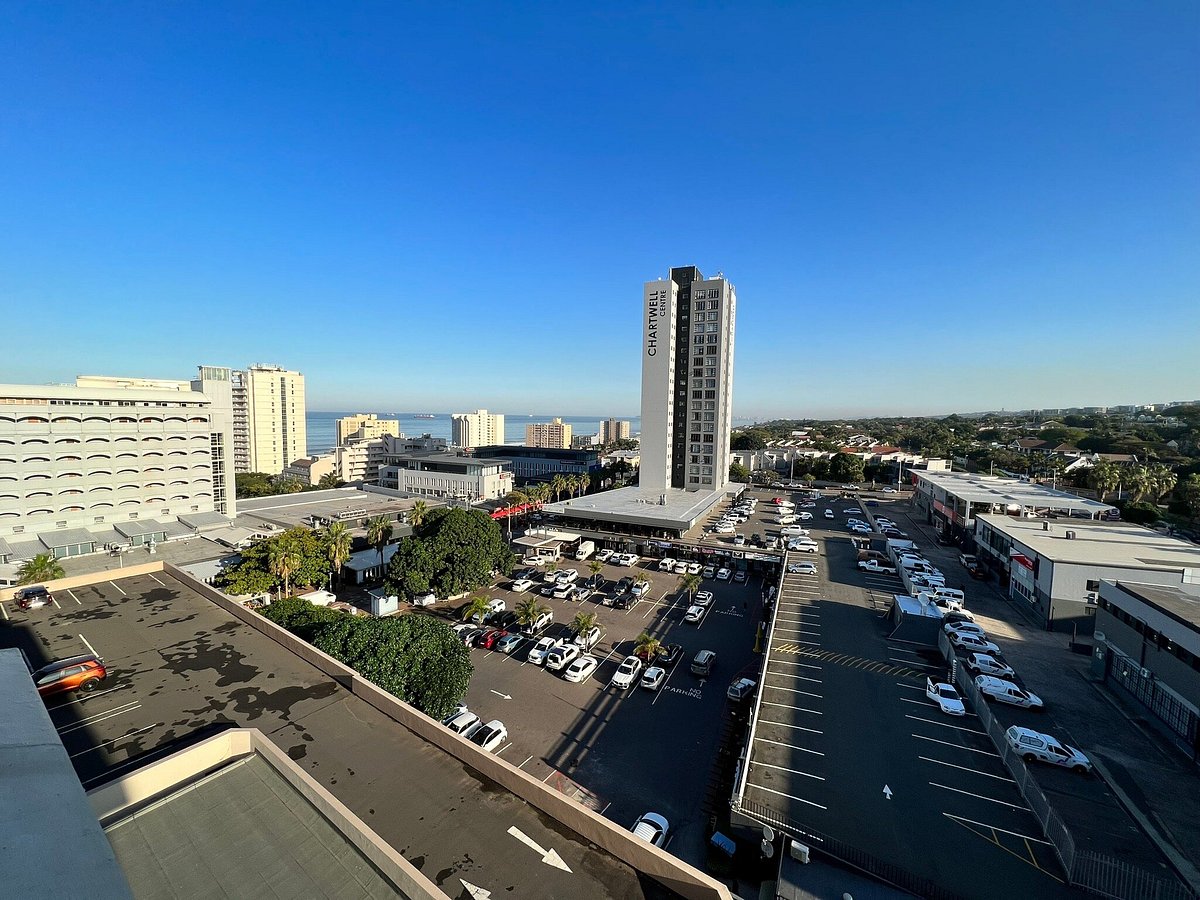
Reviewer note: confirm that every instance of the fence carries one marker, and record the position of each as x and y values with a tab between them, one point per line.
1094	872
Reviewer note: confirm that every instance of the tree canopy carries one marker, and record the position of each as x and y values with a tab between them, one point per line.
256	575
451	552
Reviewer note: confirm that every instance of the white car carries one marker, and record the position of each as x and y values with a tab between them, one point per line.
538	652
491	735
630	559
465	723
627	673
723	529
1035	745
808	504
604	555
803	546
694	568
521	586
709	572
723	574
588	639
802	568
666	564
652	828
640	589
874	565
804	516
561	657
964	628
694	614
889	490
982	664
563	591
1007	692
567	576
791	530
945	696
852	510
703	598
581	669
828	513
653	678
973	643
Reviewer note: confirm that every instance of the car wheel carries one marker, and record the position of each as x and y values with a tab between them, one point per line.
90	685
1082	770
1028	757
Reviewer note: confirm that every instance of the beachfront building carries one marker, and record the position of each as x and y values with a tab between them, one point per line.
548	434
476	429
614	430
364	427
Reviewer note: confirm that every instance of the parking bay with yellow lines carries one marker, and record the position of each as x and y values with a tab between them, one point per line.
847	744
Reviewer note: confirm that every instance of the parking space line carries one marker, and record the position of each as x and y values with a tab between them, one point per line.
527	759
162	583
946	725
807	678
88	697
4	611
100	717
91	649
909	662
54	600
786	725
782	794
119	588
114	740
73	597
790	662
966	769
911	687
815	712
926	703
789	746
502	749
977	796
755	762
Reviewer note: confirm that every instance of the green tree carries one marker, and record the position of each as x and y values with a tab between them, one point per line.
528	609
749	439
379	532
42	567
739	473
285	558
411	569
1104	478
329	480
255	574
583	482
1190	489
558	484
1138	480
415	658
476	606
301	617
417	514
647	646
595	567
846	468
1163	481
584	621
338	545
689	584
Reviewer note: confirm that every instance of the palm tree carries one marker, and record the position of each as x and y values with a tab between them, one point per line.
330	480
584	481
417	514
477	606
1104	478
284	559
647	647
690	584
379	532
528	611
595	567
558	484
42	567
1137	478
338	549
1164	481
584	622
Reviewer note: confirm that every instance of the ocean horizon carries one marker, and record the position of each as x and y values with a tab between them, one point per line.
322	430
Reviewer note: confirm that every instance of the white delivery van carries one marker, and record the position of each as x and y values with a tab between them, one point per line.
586	549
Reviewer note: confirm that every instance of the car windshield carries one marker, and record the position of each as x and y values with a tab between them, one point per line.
947	692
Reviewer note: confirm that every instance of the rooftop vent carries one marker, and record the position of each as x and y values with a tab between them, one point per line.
1070	535
1045	526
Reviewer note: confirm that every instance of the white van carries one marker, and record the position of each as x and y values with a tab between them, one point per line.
952	594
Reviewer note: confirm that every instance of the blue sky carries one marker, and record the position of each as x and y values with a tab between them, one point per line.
925	207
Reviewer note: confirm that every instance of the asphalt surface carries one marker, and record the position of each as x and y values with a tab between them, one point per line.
635	750
181	667
848	745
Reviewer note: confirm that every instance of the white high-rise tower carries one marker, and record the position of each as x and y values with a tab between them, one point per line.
687	381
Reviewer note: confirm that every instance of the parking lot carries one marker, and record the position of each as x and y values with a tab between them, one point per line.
180	667
630	750
848	745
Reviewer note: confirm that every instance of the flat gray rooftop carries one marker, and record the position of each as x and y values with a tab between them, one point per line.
672	508
289	510
1180	603
1116	544
1008	491
241	832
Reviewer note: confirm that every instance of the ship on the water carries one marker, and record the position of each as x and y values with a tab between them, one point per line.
424	416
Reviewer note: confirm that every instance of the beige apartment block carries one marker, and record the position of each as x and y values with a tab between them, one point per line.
548	434
365	427
477	429
276	408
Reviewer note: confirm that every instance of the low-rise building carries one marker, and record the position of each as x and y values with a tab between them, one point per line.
365	427
1054	566
309	470
1148	649
437	474
542	463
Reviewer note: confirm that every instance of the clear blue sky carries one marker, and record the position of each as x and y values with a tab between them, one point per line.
925	207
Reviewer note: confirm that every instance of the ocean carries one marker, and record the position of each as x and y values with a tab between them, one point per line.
322	434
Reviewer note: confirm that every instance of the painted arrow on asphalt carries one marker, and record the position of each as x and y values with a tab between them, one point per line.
887	792
476	892
505	696
549	857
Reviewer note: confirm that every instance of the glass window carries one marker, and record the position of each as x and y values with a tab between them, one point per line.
712	338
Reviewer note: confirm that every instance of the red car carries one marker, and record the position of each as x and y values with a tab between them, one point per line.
488	641
76	673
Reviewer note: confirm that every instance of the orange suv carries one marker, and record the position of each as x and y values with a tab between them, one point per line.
76	673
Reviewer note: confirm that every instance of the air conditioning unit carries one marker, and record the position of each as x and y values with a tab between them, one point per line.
1070	535
1093	598
799	852
1145	673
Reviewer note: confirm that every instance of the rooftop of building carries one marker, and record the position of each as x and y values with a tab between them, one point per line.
501	450
1180	602
73	392
672	508
1113	544
290	510
975	488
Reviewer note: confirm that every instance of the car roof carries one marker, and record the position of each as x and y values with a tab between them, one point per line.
67	662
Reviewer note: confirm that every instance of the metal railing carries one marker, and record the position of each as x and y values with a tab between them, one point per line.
1095	872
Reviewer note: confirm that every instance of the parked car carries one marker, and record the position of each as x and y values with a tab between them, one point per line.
653	678
581	669
808	546
33	597
828	513
74	673
710	571
1007	692
945	696
739	576
694	614
640	589
802	568
604	555
653	828
872	565
723	574
983	664
739	540
561	657
723	529
741	688
521	585
508	643
789	530
627	673
471	635
489	640
694	568
973	643
666	564
538	652
464	723
1033	745
491	735
588	639
669	654
567	576
964	628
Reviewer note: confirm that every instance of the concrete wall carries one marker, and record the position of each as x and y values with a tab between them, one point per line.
642	856
75	581
1166	667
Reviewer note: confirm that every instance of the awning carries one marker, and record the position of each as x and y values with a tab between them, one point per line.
139	527
66	537
205	521
230	537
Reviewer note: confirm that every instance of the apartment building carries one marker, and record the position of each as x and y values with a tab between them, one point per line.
447	475
553	434
614	430
365	427
476	429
